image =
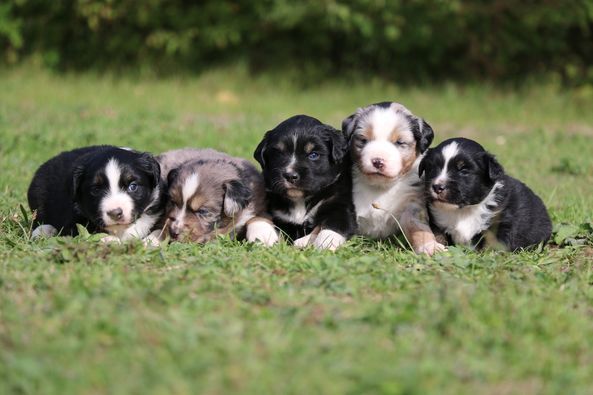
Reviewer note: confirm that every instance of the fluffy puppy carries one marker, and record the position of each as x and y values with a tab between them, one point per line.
105	188
211	193
308	182
386	144
476	204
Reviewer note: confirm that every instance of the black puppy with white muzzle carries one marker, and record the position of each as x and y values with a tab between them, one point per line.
476	204
105	188
308	182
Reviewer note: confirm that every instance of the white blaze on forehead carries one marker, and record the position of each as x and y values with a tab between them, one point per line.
115	197
384	121
188	189
449	151
190	185
290	166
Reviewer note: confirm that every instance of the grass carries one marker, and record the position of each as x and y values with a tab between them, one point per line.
84	318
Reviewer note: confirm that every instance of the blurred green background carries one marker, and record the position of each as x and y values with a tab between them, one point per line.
398	40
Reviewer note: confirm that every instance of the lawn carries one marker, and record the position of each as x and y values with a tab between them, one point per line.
79	317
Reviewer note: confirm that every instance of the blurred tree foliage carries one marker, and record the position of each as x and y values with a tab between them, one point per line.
395	39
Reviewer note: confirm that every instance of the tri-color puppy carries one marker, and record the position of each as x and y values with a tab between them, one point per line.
105	188
387	142
307	178
211	193
476	204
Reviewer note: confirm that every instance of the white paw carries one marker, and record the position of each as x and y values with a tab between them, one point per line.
263	232
305	241
431	248
44	231
329	240
110	239
153	239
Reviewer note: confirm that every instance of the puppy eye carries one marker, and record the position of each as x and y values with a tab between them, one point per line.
361	140
401	143
202	212
313	155
96	190
133	187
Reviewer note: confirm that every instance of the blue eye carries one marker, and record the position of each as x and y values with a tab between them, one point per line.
202	211
132	187
313	155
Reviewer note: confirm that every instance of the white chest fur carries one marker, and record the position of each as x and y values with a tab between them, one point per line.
462	224
391	201
298	213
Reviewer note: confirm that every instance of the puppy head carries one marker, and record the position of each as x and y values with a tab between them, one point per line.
385	140
113	186
301	156
459	172
205	199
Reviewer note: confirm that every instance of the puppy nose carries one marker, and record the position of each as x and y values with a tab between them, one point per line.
291	176
116	214
174	232
438	188
378	163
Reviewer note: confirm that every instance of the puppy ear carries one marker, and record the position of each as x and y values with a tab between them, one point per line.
424	134
260	151
338	144
425	162
348	125
77	175
237	196
495	169
148	163
172	176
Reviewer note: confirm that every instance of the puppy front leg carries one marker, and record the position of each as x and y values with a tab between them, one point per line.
260	229
414	223
337	224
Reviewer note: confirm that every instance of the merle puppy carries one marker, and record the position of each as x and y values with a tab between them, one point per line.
307	178
476	204
105	188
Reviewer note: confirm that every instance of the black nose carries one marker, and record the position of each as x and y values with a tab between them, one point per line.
438	188
378	163
291	176
116	214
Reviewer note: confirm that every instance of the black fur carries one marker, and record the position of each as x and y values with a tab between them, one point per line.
321	177
68	188
521	220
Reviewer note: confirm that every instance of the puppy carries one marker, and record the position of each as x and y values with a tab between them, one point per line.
308	183
104	188
476	204
211	193
386	145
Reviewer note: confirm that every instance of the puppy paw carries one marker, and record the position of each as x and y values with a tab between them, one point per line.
305	241
263	232
110	239
44	231
329	240
430	248
153	239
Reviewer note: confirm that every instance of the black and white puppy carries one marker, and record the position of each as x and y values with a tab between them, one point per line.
387	143
105	188
307	179
476	204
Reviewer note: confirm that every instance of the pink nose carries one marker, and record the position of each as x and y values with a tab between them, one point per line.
378	163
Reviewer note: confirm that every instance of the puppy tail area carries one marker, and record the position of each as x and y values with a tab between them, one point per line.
261	230
325	239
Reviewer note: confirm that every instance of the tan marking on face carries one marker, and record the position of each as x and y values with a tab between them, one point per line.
196	201
368	134
408	152
309	147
